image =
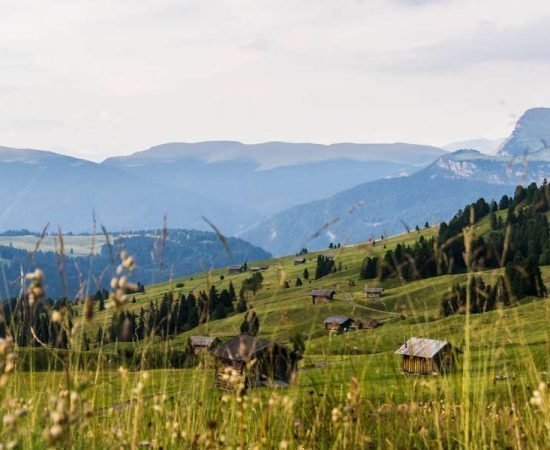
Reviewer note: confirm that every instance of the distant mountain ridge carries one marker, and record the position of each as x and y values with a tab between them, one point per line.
430	194
232	184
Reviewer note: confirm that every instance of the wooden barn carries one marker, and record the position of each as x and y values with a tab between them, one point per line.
373	292
235	269
339	324
259	361
322	295
258	268
426	356
202	344
298	261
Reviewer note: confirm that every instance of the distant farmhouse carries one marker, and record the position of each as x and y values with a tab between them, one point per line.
298	261
235	269
259	361
426	356
322	295
339	324
258	268
373	292
202	344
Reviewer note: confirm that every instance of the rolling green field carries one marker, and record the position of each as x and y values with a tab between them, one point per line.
74	245
349	391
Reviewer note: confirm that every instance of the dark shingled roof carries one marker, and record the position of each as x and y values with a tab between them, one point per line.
337	319
242	348
202	341
322	292
421	347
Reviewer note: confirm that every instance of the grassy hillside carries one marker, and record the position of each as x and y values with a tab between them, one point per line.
350	392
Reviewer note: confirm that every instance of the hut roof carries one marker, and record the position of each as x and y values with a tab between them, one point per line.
337	319
299	259
236	266
421	347
242	348
373	289
202	341
322	292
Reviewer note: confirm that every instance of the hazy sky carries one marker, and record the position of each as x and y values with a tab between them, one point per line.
96	78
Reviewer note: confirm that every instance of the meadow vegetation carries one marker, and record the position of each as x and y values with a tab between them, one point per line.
349	391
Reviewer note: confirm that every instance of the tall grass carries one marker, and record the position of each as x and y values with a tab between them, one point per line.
341	399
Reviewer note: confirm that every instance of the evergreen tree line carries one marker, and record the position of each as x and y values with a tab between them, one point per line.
507	290
32	325
325	266
521	240
170	316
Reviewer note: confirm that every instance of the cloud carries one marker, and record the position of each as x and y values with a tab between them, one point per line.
260	44
526	43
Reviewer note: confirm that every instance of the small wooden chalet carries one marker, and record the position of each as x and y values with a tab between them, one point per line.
235	269
298	261
373	292
322	295
259	361
426	356
339	324
202	344
258	268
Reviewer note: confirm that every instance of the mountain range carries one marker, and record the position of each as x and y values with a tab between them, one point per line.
279	196
232	184
390	206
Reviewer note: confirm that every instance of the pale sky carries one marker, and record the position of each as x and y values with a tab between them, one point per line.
110	77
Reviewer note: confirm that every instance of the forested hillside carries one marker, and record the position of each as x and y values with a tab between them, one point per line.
161	254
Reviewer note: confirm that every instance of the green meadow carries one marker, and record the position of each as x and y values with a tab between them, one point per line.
349	391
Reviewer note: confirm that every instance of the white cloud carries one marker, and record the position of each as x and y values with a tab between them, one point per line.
116	77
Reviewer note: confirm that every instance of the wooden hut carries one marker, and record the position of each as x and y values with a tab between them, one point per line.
235	269
322	295
426	356
257	361
258	268
202	344
298	261
373	292
339	324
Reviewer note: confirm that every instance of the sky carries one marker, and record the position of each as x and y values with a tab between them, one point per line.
101	78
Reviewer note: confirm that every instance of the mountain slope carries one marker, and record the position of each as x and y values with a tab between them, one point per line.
42	187
531	134
266	178
388	205
431	194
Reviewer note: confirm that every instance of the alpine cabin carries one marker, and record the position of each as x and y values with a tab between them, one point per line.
322	295
254	362
235	269
339	324
426	356
202	344
373	292
298	261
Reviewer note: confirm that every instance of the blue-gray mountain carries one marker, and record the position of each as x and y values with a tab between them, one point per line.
263	179
531	134
234	185
430	195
